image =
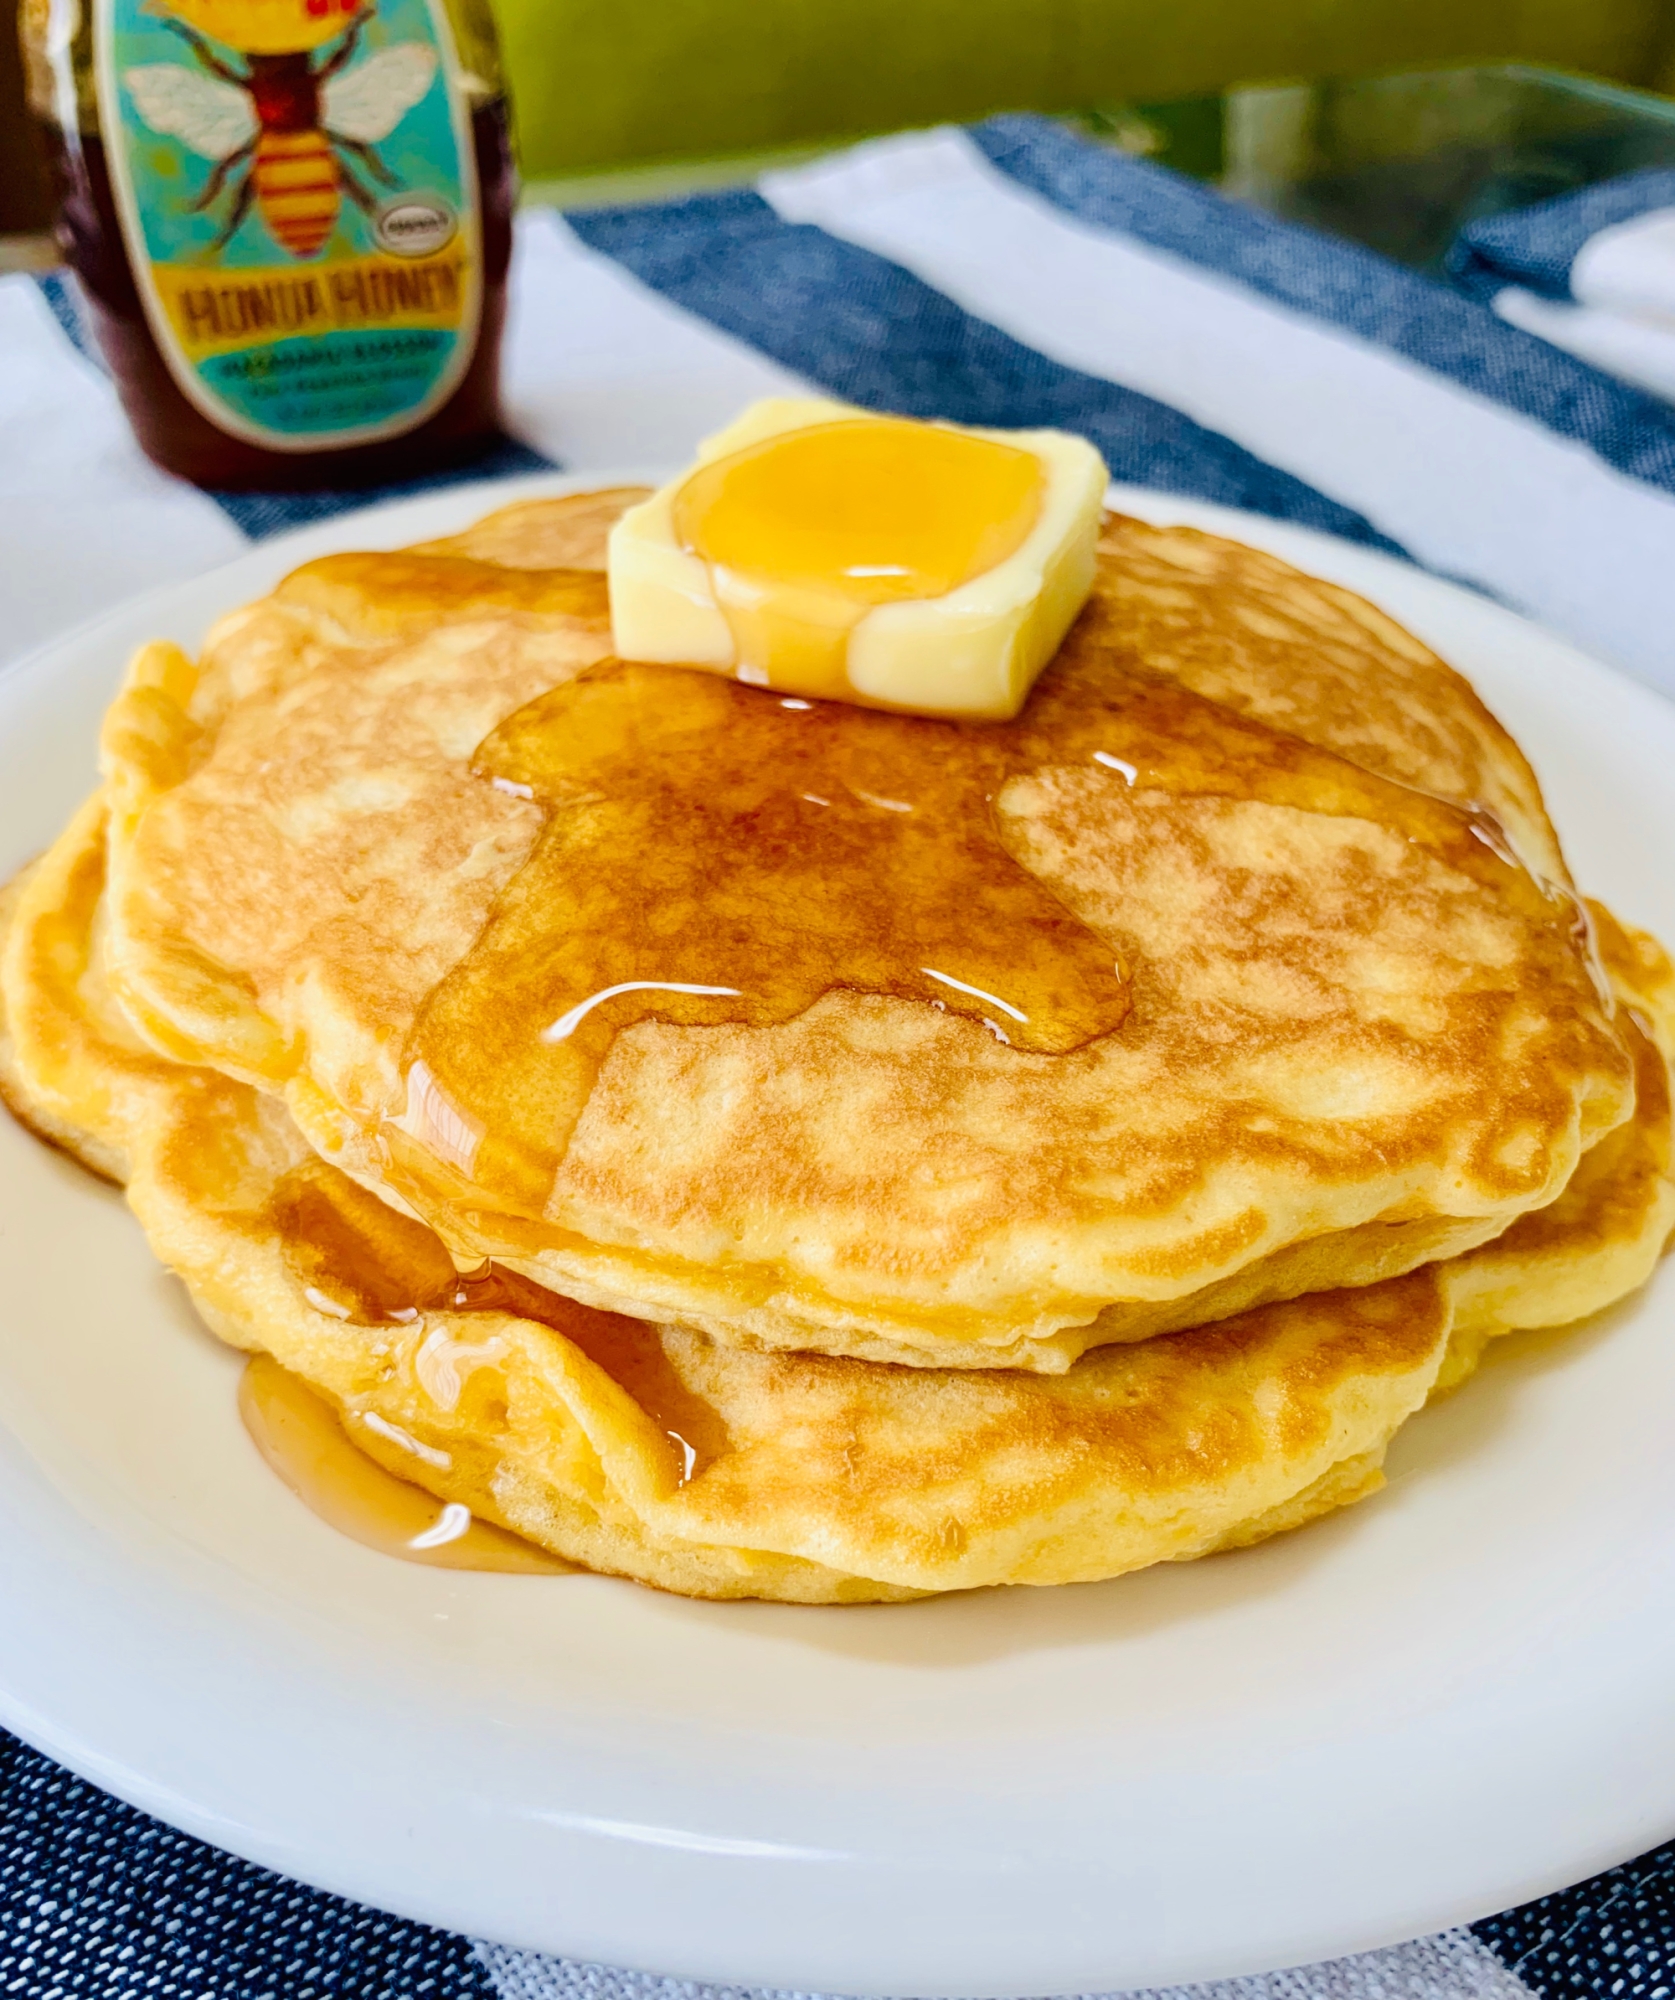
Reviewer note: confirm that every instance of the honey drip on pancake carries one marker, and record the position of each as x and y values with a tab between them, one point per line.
806	531
716	853
363	1261
720	853
303	1439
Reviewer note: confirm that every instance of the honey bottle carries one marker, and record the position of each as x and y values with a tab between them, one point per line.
291	220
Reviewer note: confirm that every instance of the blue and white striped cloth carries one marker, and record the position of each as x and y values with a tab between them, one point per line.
1593	272
1008	274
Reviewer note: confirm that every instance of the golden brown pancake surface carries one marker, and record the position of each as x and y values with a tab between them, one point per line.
660	1454
1344	1030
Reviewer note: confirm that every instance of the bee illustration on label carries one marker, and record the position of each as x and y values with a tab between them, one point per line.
286	133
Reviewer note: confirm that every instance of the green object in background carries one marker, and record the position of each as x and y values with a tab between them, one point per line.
600	85
1402	163
1188	134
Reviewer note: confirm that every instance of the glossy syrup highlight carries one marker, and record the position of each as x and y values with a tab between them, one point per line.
716	853
807	531
304	1440
359	1260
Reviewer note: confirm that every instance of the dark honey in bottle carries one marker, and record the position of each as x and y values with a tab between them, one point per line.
291	220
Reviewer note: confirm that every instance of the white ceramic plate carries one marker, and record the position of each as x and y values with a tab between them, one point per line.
1444	1701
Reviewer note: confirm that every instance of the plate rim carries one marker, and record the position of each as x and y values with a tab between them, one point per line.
164	1798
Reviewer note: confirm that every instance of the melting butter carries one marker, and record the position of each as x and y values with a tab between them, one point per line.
805	532
823	551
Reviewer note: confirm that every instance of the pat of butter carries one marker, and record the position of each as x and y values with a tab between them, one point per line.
822	550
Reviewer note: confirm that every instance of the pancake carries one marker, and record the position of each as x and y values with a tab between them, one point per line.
1246	630
654	1452
1600	1239
1301	1015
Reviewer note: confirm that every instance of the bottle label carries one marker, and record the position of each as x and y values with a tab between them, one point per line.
298	197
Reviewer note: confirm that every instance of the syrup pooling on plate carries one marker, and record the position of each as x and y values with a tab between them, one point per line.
807	531
303	1439
718	853
360	1260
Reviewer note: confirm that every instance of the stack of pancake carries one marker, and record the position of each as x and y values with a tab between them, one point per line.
680	1124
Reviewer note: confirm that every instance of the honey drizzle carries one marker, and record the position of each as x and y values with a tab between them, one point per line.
719	853
362	1261
303	1439
806	531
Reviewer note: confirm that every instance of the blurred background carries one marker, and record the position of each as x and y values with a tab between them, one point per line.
1389	120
